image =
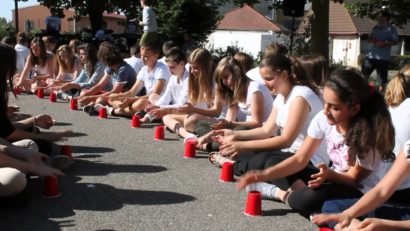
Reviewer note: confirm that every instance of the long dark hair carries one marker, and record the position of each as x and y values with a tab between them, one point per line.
7	70
371	128
42	58
92	58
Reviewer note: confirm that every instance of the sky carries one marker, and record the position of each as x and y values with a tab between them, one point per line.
8	5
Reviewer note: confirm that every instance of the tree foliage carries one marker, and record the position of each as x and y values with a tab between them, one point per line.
196	18
6	28
400	10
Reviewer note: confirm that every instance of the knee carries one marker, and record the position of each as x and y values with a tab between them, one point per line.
100	100
13	181
190	122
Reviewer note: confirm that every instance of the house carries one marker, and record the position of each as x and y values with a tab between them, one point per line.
348	36
245	28
33	17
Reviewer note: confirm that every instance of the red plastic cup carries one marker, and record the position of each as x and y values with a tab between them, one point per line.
17	90
227	172
67	151
40	93
325	229
159	133
51	189
73	104
135	121
190	148
103	113
253	204
53	97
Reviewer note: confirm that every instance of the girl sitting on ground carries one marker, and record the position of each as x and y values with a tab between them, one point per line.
250	99
69	67
357	128
91	73
38	68
296	104
202	104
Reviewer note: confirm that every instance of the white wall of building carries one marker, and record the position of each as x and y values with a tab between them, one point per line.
252	42
346	50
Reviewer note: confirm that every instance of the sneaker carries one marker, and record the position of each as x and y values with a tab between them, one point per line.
268	191
62	96
110	110
98	106
89	109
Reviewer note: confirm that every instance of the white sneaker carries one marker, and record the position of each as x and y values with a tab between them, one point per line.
268	191
98	107
110	110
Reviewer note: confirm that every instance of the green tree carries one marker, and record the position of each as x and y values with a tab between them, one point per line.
196	18
6	28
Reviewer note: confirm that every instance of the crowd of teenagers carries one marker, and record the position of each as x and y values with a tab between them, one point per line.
328	145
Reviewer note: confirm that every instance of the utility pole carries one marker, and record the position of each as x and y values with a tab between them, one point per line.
16	15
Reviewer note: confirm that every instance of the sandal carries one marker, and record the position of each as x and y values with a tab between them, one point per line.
218	159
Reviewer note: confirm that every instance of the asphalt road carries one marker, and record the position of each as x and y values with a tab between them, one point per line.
122	179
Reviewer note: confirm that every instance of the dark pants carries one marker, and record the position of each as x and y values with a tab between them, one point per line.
381	66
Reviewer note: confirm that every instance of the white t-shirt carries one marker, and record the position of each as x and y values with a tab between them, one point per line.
135	63
245	108
401	121
337	151
255	75
176	92
283	108
149	79
22	53
406	149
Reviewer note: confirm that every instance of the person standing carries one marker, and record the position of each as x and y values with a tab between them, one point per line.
149	22
382	37
53	24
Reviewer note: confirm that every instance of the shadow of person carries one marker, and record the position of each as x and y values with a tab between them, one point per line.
94	168
87	149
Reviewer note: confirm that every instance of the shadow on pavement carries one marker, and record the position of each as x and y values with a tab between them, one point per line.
79	196
94	168
277	212
62	124
87	149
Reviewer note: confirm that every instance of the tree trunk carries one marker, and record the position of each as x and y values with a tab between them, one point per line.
320	28
95	10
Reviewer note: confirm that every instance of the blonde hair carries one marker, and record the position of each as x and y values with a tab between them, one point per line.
398	88
226	66
66	67
200	89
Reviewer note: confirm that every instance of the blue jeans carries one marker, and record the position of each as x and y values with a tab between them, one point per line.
381	66
385	211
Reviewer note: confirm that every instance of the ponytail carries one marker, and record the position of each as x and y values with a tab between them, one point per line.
371	128
280	62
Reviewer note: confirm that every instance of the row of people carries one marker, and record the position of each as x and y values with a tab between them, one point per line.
310	153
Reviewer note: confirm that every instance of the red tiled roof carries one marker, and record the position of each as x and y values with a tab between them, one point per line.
342	22
248	19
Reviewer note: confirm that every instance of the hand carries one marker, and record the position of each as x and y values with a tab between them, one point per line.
374	224
44	121
158	113
150	107
222	123
125	102
45	170
67	86
250	177
36	158
231	148
55	136
319	177
11	110
320	219
186	109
